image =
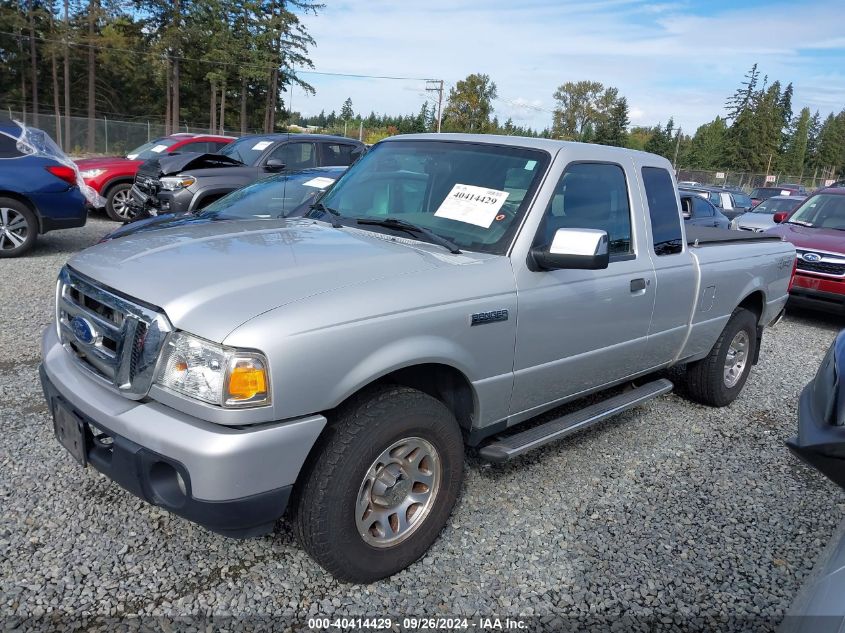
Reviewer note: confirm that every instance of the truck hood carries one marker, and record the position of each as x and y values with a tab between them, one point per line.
177	163
107	162
809	238
210	278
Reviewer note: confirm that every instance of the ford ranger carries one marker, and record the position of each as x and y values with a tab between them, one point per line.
445	290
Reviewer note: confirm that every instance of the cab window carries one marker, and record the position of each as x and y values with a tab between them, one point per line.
295	155
663	211
338	154
591	196
701	208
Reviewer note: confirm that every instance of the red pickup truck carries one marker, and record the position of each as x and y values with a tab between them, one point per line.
817	230
112	176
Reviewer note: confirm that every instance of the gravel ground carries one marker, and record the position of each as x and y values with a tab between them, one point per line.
697	516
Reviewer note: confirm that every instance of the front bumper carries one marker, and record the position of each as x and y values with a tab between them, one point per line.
234	480
818	292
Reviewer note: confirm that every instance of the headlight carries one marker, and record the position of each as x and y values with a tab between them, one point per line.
91	173
213	373
177	183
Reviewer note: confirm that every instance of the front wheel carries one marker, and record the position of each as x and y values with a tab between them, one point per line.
381	484
717	379
117	202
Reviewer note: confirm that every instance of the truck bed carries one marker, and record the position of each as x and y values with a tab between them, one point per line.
703	235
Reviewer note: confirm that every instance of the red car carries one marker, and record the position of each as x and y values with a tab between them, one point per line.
112	177
817	230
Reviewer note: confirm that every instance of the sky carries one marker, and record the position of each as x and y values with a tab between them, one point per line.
670	59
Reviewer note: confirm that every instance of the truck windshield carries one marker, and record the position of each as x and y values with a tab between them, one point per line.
471	194
272	197
822	211
247	149
151	149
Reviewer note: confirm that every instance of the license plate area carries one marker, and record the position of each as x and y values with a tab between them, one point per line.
70	431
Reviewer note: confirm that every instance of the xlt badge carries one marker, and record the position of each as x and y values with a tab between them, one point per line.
480	318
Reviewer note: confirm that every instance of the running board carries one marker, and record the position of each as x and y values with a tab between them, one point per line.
512	446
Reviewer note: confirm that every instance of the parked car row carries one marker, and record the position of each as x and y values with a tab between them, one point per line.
112	177
188	182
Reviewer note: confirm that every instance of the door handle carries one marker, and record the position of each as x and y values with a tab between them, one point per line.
638	285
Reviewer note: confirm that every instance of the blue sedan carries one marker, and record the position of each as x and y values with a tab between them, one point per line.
38	189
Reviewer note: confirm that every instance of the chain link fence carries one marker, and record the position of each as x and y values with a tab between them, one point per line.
111	137
748	181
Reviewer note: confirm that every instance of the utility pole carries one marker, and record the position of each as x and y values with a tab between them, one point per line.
768	165
677	147
436	85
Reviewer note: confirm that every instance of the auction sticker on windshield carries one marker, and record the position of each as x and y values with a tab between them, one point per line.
472	205
158	149
262	145
321	182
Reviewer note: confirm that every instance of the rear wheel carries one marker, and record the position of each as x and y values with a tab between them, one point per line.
18	228
381	485
719	378
117	202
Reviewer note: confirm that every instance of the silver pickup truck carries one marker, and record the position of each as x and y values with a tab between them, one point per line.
444	290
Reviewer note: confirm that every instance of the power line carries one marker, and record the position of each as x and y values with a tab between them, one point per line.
302	71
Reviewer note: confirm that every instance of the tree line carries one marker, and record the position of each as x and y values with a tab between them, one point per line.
222	61
758	133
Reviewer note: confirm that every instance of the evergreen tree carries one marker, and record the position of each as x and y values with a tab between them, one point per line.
346	111
796	144
613	130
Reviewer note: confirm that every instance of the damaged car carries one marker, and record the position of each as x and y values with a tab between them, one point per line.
291	194
188	182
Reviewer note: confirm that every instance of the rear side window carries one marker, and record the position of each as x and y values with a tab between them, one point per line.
702	209
8	147
663	211
591	196
198	146
338	154
296	155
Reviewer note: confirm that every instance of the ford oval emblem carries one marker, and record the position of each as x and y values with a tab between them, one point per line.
83	331
811	257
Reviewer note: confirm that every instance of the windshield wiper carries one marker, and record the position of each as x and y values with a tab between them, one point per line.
331	213
409	227
799	223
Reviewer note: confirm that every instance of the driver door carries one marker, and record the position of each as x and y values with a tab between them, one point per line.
579	329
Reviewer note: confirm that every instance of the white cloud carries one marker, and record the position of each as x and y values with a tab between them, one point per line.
665	59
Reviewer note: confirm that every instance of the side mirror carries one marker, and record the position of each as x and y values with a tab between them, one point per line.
274	164
780	217
580	249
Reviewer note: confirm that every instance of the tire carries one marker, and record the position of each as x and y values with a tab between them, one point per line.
708	380
18	228
341	477
116	202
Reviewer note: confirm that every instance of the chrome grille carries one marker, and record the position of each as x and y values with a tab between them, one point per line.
826	264
149	186
113	338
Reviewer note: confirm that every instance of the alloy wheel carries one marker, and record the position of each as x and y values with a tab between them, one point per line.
14	229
